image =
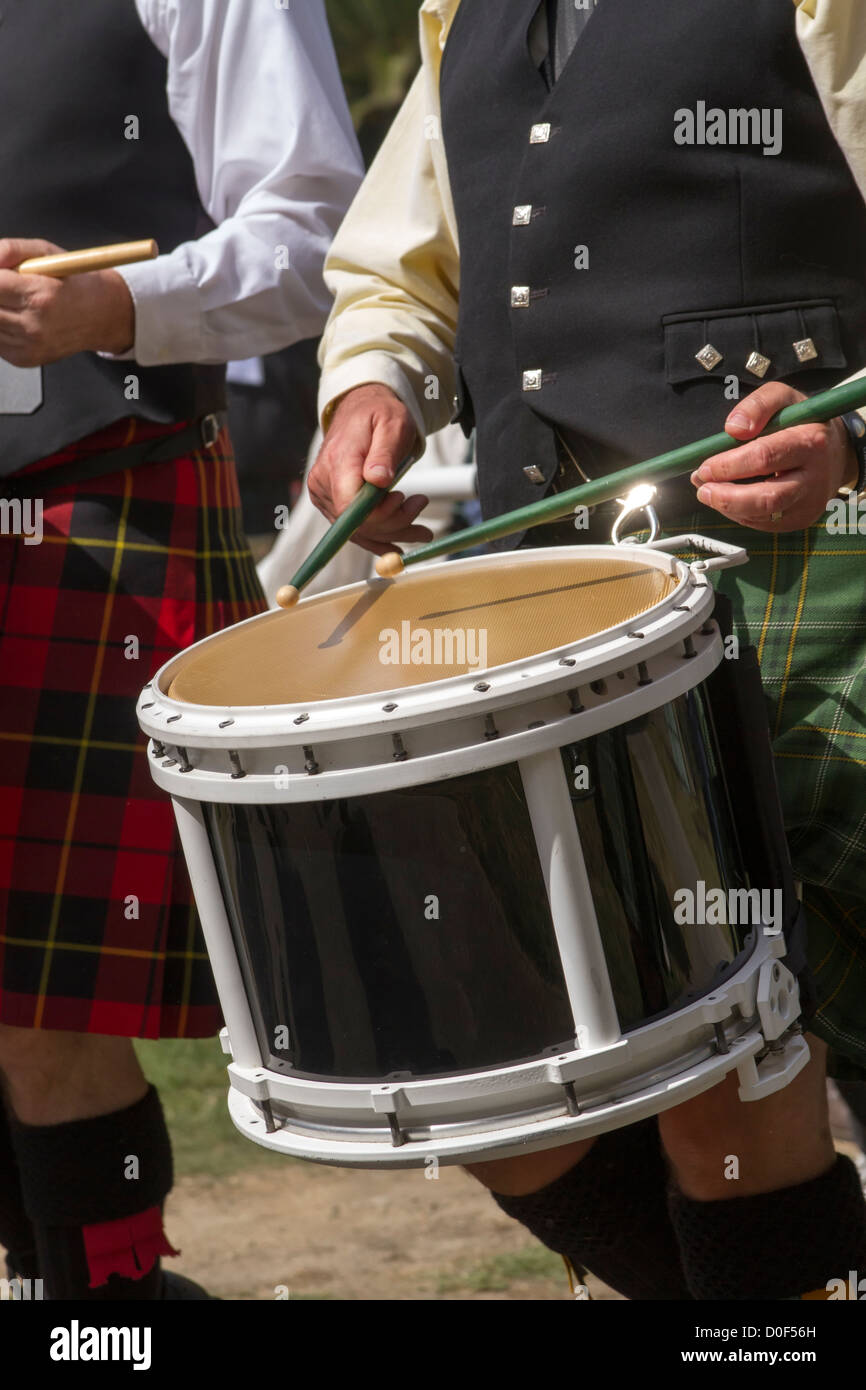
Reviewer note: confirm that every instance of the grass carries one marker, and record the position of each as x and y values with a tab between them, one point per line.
497	1274
190	1075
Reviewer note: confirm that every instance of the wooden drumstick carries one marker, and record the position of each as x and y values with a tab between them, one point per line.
817	409
335	537
65	263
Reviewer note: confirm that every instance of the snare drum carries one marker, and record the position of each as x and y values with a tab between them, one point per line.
480	857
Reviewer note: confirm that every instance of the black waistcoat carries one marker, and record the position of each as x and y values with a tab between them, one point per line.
70	76
687	244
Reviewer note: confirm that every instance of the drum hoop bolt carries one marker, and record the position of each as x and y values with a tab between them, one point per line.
399	755
490	729
235	760
158	749
185	764
311	767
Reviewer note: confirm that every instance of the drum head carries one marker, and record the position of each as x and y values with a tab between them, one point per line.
426	626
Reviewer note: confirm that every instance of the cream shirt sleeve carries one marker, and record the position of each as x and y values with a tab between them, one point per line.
832	35
394	273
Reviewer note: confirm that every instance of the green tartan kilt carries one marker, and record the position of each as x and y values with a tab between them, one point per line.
801	601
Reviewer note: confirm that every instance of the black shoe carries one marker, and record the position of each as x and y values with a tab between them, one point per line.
177	1286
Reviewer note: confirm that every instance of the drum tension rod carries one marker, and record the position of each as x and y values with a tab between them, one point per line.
158	749
399	755
397	1136
268	1112
490	729
688	648
311	767
235	760
722	1044
572	1104
598	687
575	704
185	764
643	675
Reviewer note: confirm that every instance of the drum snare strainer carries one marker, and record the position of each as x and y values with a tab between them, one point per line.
468	856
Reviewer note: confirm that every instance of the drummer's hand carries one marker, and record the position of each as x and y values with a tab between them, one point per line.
369	436
809	463
43	319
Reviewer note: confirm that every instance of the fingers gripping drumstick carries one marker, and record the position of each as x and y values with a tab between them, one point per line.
336	536
825	406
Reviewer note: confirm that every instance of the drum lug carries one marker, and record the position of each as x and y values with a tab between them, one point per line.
778	1007
774	1071
778	999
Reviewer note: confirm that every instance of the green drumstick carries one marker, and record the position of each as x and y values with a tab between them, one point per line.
335	537
825	406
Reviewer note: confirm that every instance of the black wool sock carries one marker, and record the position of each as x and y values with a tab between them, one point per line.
94	1190
609	1214
777	1245
16	1230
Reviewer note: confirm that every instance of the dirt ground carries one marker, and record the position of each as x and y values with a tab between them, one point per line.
341	1234
301	1231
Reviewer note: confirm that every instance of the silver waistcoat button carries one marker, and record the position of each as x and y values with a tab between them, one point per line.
709	357
758	364
806	350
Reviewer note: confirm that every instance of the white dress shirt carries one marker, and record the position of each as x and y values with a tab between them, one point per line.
255	92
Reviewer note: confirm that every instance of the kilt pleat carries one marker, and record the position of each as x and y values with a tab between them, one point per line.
98	932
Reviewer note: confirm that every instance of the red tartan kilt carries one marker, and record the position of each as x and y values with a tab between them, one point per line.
97	928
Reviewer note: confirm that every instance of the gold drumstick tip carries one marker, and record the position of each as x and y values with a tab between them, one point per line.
288	596
390	565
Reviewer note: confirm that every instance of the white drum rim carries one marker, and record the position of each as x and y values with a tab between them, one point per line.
651	1068
403	707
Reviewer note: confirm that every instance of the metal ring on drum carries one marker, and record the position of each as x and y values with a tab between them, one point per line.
441	834
639	499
